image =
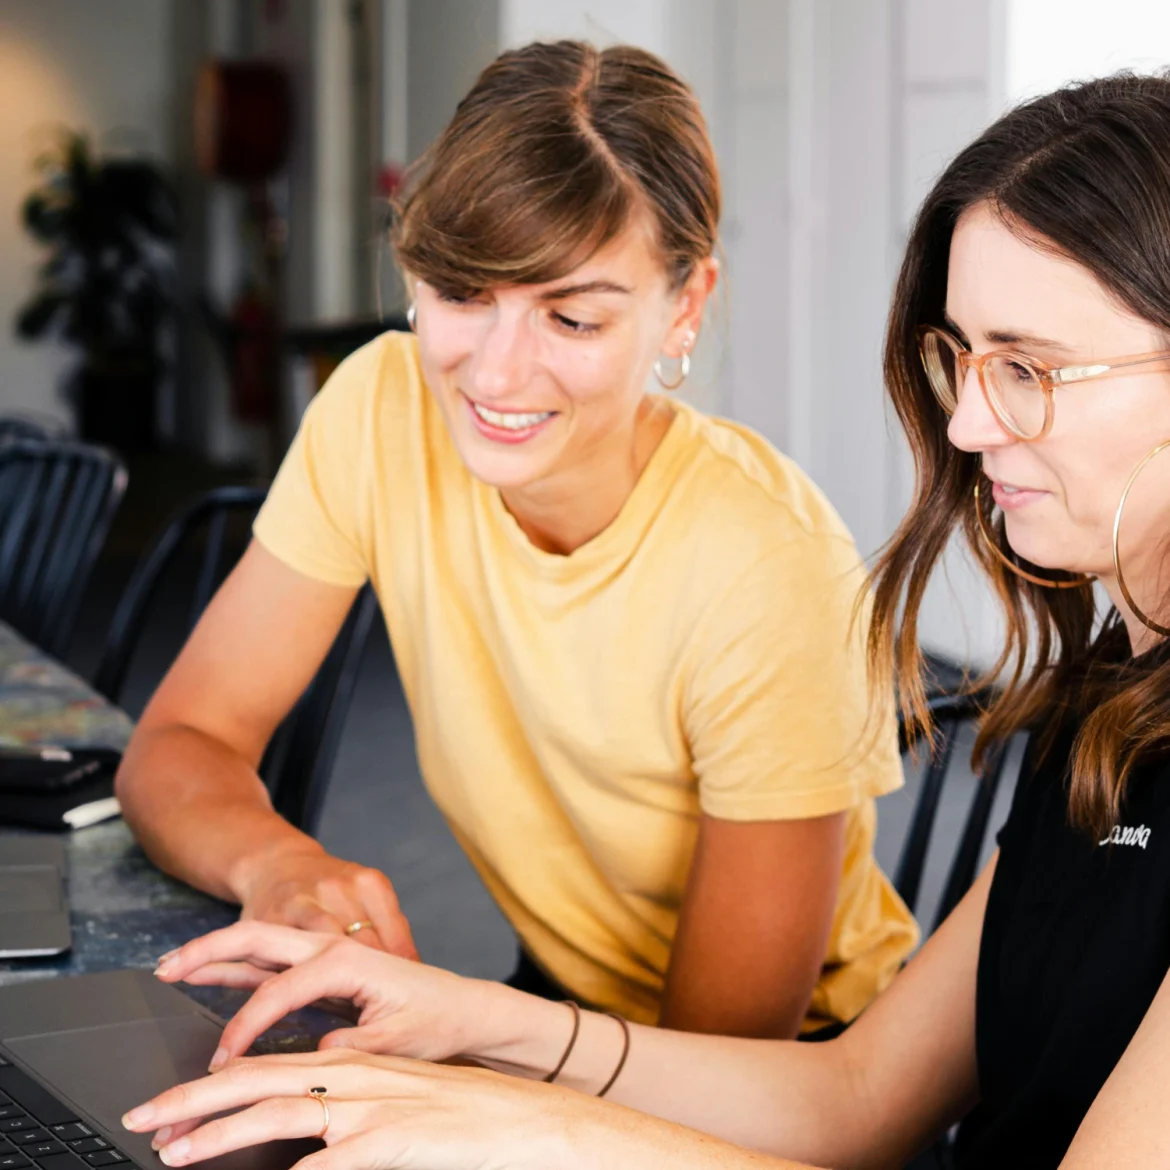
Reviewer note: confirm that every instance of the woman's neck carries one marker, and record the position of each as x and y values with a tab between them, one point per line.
566	511
1141	637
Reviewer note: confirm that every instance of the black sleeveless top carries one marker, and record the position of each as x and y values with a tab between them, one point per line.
1076	942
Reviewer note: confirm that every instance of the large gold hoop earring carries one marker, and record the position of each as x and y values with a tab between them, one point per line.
1007	562
1140	614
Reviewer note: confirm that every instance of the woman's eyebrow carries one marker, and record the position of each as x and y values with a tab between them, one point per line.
589	286
1009	337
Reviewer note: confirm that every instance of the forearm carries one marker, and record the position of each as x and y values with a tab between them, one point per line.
783	1098
623	1137
200	810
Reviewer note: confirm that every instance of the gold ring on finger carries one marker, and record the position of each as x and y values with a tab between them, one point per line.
354	927
319	1094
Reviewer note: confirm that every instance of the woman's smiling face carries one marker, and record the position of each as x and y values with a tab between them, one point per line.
1059	494
534	381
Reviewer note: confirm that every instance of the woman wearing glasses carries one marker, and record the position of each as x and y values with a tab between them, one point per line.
625	630
1028	358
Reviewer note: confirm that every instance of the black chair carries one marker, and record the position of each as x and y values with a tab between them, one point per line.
299	760
950	709
57	501
19	426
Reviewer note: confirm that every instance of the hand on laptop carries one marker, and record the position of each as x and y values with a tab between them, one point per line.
384	1113
318	892
404	1007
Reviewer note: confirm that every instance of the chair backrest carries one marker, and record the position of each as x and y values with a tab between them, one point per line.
20	426
950	711
299	760
57	501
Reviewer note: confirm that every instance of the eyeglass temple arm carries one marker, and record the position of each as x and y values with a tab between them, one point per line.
1068	374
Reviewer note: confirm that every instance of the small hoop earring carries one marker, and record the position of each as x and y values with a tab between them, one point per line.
411	314
1140	614
684	368
1004	559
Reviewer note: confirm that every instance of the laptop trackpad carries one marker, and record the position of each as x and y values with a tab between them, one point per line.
106	1070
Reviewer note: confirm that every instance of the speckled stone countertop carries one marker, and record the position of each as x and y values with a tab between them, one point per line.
123	911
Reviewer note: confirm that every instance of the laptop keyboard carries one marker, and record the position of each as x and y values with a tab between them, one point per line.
38	1132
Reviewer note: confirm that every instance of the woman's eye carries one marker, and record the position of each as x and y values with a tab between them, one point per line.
574	326
1022	373
458	298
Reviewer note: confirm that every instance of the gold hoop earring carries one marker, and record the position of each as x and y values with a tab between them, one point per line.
1140	614
411	314
684	369
1007	562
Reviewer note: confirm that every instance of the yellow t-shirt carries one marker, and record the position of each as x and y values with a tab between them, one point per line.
574	714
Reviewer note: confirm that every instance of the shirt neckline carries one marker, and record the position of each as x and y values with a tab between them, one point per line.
619	538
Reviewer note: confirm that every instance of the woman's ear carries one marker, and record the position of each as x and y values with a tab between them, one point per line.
692	300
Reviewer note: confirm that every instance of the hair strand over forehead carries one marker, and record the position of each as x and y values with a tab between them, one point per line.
550	156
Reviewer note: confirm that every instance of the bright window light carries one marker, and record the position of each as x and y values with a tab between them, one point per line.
1052	42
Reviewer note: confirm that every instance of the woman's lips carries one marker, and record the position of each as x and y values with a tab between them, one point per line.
509	434
1011	498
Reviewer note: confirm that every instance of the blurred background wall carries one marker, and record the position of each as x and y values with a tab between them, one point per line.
830	118
104	68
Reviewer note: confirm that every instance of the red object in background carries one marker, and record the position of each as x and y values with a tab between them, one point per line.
254	358
243	120
389	180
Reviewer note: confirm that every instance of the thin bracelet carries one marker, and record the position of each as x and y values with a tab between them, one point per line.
556	1072
617	1072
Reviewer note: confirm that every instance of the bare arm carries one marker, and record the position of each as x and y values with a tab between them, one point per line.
754	926
188	783
1127	1125
896	1079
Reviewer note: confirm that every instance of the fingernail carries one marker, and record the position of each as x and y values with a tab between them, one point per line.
165	966
139	1117
176	1153
218	1060
161	1138
169	955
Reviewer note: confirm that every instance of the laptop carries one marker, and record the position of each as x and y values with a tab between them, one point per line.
34	917
77	1052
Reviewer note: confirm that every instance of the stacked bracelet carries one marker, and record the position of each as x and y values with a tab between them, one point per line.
617	1072
556	1072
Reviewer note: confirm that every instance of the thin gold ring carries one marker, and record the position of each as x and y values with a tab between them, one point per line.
1139	613
354	927
319	1094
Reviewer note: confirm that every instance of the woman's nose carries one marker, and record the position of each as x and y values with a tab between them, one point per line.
974	426
503	356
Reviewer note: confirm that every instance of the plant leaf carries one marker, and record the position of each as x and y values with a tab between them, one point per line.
35	319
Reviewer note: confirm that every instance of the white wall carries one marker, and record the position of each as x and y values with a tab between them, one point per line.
101	67
450	41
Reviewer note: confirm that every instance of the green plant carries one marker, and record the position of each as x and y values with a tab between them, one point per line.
108	283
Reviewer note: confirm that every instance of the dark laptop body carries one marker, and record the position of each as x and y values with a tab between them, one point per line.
76	1053
34	917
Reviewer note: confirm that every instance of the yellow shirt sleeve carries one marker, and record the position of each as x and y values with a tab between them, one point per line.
777	707
311	519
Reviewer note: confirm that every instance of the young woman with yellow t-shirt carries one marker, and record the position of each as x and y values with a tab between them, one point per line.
625	630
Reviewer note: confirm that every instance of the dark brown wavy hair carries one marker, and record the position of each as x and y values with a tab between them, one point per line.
549	156
1085	172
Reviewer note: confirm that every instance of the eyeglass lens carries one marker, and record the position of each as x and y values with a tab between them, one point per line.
1016	392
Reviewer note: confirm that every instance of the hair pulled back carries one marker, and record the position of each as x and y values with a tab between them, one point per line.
553	152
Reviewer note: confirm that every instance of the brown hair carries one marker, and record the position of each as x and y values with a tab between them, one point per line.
548	157
1085	172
